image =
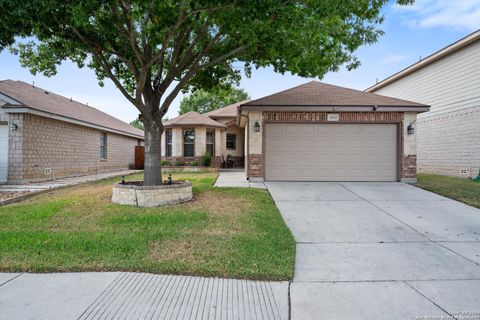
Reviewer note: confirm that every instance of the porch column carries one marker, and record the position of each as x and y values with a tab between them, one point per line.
217	159
218	142
163	144
200	141
177	142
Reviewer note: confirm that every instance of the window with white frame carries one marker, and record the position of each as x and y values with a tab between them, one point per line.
211	142
168	143
103	146
188	142
231	141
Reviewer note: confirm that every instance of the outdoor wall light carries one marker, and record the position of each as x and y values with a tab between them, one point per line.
256	126
410	129
13	126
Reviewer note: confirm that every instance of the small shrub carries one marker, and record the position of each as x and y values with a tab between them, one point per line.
180	164
166	163
207	159
194	163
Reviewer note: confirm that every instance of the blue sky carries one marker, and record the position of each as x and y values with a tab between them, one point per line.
410	33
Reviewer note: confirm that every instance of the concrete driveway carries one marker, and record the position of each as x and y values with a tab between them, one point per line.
380	251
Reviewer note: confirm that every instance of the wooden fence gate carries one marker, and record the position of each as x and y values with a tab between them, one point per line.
139	157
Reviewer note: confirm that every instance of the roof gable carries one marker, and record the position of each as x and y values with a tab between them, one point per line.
193	118
229	111
45	101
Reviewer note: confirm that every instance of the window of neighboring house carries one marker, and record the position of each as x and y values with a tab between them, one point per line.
168	143
188	142
103	146
231	141
211	143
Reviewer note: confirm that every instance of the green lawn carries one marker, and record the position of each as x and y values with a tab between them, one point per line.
225	232
464	190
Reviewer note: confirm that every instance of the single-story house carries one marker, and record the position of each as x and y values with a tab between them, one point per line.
448	80
44	136
312	132
188	137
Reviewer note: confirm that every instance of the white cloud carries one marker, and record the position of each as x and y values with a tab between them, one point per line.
456	14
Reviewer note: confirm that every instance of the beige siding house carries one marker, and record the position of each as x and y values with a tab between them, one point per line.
313	132
448	80
44	136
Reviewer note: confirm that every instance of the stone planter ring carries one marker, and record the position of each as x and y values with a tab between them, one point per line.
134	193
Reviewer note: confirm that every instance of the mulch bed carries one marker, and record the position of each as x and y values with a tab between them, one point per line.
5	195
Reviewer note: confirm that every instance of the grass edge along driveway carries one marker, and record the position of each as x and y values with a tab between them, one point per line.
224	232
460	189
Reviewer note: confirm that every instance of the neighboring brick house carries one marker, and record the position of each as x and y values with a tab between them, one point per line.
44	136
313	132
449	81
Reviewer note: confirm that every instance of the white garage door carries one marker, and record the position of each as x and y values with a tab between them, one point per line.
3	153
331	152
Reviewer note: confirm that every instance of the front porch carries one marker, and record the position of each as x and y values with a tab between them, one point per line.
188	146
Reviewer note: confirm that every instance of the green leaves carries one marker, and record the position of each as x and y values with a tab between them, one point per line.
203	101
152	50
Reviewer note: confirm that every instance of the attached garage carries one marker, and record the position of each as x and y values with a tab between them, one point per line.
3	153
321	132
331	152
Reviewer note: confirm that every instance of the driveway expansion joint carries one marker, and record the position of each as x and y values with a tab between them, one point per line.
11	279
438	306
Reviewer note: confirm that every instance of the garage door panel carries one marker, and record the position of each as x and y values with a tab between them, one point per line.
307	143
323	143
292	143
275	131
322	130
331	152
308	129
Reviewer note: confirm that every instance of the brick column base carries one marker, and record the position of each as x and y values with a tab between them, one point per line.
409	168
217	162
255	166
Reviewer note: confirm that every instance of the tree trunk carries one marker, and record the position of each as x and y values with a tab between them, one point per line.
153	153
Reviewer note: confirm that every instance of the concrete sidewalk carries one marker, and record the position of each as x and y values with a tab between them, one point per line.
22	191
114	295
236	178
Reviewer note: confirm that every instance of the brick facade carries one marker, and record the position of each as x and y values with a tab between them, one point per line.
406	162
184	160
255	166
409	166
238	162
67	149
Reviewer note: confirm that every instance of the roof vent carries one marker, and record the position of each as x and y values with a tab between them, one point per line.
46	92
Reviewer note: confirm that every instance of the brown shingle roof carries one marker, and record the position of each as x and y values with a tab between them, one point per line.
193	118
49	102
229	111
316	93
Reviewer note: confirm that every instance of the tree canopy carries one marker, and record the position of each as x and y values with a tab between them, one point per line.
203	101
152	50
137	124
